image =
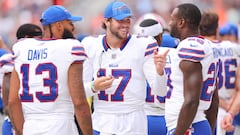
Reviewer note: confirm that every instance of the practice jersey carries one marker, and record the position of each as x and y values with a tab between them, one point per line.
229	54
195	49
131	65
42	67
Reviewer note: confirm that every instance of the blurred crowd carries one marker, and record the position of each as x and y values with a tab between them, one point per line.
16	12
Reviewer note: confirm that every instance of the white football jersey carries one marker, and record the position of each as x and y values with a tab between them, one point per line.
229	53
131	65
155	104
42	67
194	49
6	63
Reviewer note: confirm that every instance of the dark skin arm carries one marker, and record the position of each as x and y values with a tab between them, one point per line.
211	113
14	104
192	76
81	107
5	90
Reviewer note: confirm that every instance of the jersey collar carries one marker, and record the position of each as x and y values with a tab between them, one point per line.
106	46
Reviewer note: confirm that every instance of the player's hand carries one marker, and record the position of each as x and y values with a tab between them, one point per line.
160	61
103	82
226	123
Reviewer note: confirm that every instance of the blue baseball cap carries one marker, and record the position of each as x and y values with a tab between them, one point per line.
169	41
229	29
56	13
117	10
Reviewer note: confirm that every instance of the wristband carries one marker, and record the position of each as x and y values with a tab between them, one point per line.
231	114
93	87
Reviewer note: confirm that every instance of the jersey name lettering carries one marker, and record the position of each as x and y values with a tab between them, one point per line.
222	52
37	54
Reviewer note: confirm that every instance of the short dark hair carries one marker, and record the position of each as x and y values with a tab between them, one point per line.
209	24
28	30
190	13
104	26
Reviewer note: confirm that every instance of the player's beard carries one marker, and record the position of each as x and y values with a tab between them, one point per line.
116	33
174	32
67	34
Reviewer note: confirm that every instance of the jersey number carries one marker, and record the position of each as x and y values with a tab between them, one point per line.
118	94
50	82
206	95
227	73
209	82
151	97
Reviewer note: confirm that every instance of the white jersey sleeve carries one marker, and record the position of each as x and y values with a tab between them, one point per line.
155	104
6	65
156	82
88	65
6	62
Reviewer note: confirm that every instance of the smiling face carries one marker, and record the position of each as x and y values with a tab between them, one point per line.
119	28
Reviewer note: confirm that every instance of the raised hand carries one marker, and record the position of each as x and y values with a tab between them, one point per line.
160	60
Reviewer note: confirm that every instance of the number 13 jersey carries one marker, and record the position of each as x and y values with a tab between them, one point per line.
42	67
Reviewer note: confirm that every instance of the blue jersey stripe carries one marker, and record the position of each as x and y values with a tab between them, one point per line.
150	49
188	50
190	57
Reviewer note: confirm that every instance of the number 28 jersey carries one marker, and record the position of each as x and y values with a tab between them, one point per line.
196	49
42	67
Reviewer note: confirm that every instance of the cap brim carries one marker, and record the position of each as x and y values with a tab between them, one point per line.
121	17
75	18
